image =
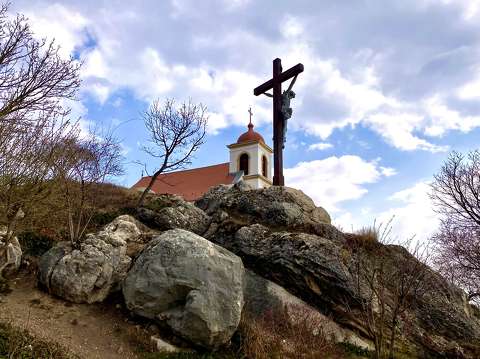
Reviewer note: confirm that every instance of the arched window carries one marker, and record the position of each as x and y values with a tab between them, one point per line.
244	164
264	166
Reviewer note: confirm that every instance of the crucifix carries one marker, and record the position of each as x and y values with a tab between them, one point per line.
281	111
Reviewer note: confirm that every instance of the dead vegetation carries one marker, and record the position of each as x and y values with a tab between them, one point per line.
291	332
389	279
16	343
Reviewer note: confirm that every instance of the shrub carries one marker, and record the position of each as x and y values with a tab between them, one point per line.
294	331
34	244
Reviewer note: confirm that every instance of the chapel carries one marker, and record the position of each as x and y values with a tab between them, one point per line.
250	161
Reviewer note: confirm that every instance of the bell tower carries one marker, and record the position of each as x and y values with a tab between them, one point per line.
251	155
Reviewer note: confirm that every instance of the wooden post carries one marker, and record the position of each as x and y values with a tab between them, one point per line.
278	179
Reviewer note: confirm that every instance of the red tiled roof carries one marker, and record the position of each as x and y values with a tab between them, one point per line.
190	184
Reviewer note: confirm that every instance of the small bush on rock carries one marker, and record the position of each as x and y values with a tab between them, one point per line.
368	237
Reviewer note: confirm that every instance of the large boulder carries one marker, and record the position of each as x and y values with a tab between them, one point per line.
275	207
189	283
92	271
10	254
168	211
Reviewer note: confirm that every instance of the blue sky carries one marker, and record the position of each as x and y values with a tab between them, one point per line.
389	88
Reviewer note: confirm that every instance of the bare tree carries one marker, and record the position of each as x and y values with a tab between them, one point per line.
388	280
84	164
34	83
175	134
34	79
458	256
27	155
456	196
370	298
407	283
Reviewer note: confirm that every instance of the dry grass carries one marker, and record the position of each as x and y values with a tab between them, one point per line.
365	238
46	220
292	332
368	234
15	343
368	237
140	339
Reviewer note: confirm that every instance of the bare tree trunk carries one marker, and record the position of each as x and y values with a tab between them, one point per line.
149	187
152	181
392	337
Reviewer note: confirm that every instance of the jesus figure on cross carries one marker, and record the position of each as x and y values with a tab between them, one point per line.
281	112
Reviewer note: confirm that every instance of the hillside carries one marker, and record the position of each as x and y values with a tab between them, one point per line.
215	275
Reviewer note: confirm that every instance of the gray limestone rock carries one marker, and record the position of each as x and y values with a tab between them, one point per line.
310	266
10	255
275	207
166	212
191	284
91	272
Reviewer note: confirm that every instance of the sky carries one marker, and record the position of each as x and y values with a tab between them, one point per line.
390	87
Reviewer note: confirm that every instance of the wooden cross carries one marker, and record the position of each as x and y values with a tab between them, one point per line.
275	83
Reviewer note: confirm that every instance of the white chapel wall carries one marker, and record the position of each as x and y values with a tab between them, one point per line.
255	152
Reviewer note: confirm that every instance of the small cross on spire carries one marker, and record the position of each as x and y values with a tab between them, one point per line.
251	113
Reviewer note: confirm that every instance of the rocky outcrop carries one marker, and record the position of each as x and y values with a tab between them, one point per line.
91	272
317	270
189	283
274	207
280	235
308	265
10	254
167	211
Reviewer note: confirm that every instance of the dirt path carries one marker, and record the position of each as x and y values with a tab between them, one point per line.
89	331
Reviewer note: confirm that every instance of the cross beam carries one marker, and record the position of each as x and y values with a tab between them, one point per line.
275	83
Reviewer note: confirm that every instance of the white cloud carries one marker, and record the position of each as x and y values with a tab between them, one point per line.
59	22
215	122
471	89
335	179
410	214
398	130
470	8
183	54
292	27
414	216
320	146
388	171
